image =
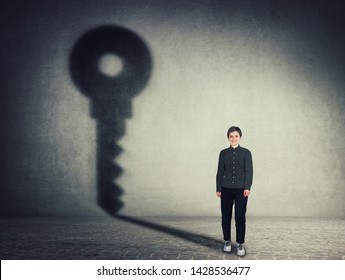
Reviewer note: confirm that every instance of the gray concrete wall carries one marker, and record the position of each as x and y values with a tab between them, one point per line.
274	68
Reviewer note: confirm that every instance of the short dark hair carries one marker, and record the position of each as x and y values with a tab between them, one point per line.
234	128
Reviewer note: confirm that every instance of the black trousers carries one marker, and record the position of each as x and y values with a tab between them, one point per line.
228	197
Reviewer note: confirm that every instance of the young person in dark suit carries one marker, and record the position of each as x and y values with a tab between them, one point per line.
233	183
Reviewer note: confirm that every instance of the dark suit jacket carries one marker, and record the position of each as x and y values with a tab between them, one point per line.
235	169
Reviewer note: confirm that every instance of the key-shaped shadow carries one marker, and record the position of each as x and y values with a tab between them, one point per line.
110	97
111	105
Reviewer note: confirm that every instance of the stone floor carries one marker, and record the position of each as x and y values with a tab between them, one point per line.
167	238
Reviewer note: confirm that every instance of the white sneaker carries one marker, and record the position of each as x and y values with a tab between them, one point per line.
240	250
227	246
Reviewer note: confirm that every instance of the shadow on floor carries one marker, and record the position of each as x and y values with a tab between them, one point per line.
199	239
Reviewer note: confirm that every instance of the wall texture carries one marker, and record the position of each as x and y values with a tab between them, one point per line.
274	68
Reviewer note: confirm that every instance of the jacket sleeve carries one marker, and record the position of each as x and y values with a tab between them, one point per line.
220	172
248	171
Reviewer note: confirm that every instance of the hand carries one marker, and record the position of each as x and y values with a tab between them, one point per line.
219	194
246	193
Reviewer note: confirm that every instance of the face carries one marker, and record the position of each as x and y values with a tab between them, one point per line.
234	138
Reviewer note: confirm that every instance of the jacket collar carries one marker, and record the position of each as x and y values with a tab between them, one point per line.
231	148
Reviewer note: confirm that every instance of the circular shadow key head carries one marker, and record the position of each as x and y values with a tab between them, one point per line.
110	64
